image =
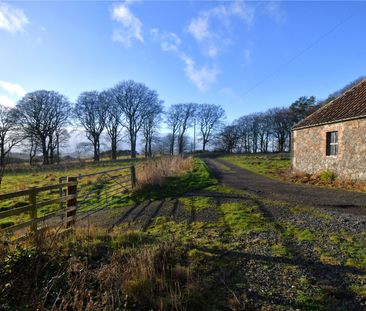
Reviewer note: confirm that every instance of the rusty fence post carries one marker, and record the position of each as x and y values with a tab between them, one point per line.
33	214
71	202
133	176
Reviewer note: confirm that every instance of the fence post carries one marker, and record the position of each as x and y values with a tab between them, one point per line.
33	214
133	176
71	202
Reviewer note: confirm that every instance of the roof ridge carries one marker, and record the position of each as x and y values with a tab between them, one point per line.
330	103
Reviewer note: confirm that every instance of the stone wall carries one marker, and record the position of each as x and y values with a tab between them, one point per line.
309	149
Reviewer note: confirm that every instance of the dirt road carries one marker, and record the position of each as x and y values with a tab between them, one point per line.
338	200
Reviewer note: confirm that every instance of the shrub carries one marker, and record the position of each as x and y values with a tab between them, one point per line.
327	176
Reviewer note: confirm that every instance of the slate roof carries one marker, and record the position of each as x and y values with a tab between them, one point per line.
350	105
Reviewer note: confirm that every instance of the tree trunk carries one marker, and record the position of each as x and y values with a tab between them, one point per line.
204	142
57	149
2	152
180	144
114	149
149	148
172	142
133	146
45	152
146	148
96	151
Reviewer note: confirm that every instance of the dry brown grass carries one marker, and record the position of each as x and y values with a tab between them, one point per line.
155	171
319	180
93	269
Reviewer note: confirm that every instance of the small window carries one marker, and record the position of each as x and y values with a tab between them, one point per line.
332	143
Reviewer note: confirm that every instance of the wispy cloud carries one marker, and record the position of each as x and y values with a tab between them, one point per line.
12	88
130	27
210	27
203	77
274	10
12	92
12	19
169	41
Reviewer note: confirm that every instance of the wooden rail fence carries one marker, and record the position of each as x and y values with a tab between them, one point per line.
75	195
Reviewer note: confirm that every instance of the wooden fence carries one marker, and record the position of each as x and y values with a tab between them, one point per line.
26	213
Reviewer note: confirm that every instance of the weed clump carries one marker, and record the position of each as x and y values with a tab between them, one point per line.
327	176
95	270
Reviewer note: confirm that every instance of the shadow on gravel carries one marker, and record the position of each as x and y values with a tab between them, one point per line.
330	277
152	216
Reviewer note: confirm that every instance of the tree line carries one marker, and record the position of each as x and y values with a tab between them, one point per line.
130	111
270	131
41	121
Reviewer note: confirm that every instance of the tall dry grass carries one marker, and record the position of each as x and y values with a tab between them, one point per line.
93	269
155	171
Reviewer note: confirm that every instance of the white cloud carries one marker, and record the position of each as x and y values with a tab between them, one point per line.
6	101
199	28
130	27
12	88
273	9
169	42
202	77
210	27
12	19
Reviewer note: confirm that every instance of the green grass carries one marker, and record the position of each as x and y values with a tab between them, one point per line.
267	165
242	219
175	264
197	203
352	247
279	250
299	234
26	177
37	176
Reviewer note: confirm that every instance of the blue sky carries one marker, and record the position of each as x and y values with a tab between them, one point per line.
247	56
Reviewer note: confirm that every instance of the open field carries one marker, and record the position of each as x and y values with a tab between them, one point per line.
25	177
22	177
195	244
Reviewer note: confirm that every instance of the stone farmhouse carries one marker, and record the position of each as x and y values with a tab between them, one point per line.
333	138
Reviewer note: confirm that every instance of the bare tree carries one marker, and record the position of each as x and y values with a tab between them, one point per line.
172	120
281	124
228	138
186	115
150	126
134	100
113	121
8	136
244	132
62	136
32	145
84	148
209	118
40	115
264	131
91	112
